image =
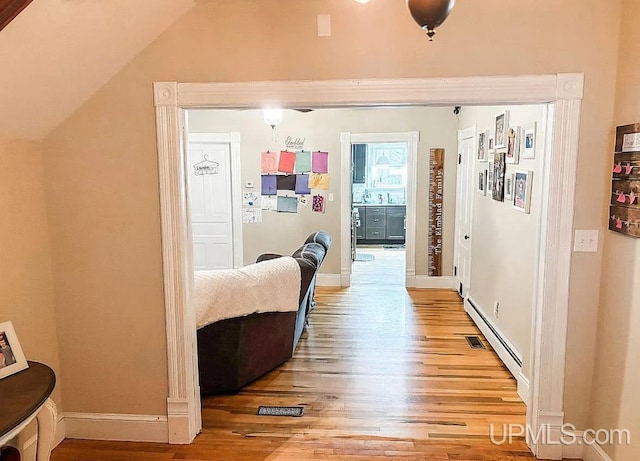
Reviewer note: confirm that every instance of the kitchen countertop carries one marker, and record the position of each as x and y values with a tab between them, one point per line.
357	205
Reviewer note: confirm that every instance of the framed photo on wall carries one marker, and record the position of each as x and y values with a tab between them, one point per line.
483	146
498	176
502	125
528	141
522	190
490	179
481	182
508	187
513	145
12	358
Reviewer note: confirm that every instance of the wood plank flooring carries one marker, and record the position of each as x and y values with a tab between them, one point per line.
383	373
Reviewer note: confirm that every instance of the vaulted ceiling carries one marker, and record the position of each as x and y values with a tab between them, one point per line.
56	53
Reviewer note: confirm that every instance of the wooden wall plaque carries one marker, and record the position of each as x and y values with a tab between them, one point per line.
436	194
624	212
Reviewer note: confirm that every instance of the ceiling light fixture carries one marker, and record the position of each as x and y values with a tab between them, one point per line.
273	118
430	14
362	1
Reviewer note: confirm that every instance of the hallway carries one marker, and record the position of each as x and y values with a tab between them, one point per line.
382	373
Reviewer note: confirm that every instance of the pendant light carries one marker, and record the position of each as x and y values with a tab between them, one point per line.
430	14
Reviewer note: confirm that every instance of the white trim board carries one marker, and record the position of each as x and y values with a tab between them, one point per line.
584	451
117	427
425	281
328	280
549	328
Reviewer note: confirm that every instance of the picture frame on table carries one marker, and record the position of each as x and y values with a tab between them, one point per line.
513	145
483	146
502	125
12	359
522	186
528	141
508	188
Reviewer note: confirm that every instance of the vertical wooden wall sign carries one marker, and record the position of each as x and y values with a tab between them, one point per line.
436	192
624	214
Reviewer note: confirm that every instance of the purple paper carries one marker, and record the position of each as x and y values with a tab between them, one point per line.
320	162
302	184
269	186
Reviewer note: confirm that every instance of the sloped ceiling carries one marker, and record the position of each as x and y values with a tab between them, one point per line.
57	53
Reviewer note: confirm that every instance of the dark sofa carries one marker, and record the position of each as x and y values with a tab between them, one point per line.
236	351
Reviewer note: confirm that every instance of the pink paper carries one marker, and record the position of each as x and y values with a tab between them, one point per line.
619	223
320	162
617	168
287	162
269	162
621	198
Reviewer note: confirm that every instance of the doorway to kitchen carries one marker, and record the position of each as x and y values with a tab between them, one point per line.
378	206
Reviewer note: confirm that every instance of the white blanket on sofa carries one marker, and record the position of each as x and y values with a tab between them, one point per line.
268	286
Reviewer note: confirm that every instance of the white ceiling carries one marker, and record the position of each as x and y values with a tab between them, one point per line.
57	53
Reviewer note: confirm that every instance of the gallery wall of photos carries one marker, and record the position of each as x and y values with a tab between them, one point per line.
501	150
288	180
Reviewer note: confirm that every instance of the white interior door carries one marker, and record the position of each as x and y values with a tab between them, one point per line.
210	197
464	209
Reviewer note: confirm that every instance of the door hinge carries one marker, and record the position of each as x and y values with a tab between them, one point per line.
459	159
455	271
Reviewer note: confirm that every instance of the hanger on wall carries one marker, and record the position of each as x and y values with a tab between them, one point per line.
206	166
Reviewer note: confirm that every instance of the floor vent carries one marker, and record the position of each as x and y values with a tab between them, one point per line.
474	342
280	411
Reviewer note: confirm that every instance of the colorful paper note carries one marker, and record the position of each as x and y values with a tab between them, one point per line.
269	162
302	184
287	204
320	162
269	186
286	182
287	162
318	204
303	162
269	203
319	181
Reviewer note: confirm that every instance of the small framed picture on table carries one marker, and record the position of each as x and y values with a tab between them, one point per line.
12	359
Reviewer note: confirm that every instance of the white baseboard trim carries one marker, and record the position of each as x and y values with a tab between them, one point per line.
523	388
505	350
594	452
576	449
328	280
424	281
61	431
119	427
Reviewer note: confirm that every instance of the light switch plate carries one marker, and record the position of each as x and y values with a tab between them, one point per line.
324	25
331	197
586	241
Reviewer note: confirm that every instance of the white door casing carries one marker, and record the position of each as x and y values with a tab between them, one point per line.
549	329
209	181
347	139
464	209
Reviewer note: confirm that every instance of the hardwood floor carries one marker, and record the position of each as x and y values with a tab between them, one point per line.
383	373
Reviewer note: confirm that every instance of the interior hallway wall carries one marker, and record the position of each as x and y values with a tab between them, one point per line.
101	163
285	232
617	377
503	239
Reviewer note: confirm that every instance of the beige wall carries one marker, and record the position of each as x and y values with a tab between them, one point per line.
503	239
617	378
102	173
284	232
26	281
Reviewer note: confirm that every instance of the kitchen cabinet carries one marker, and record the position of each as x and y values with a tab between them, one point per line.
359	166
384	223
395	223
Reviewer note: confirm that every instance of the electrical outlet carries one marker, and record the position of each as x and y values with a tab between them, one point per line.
249	185
496	309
